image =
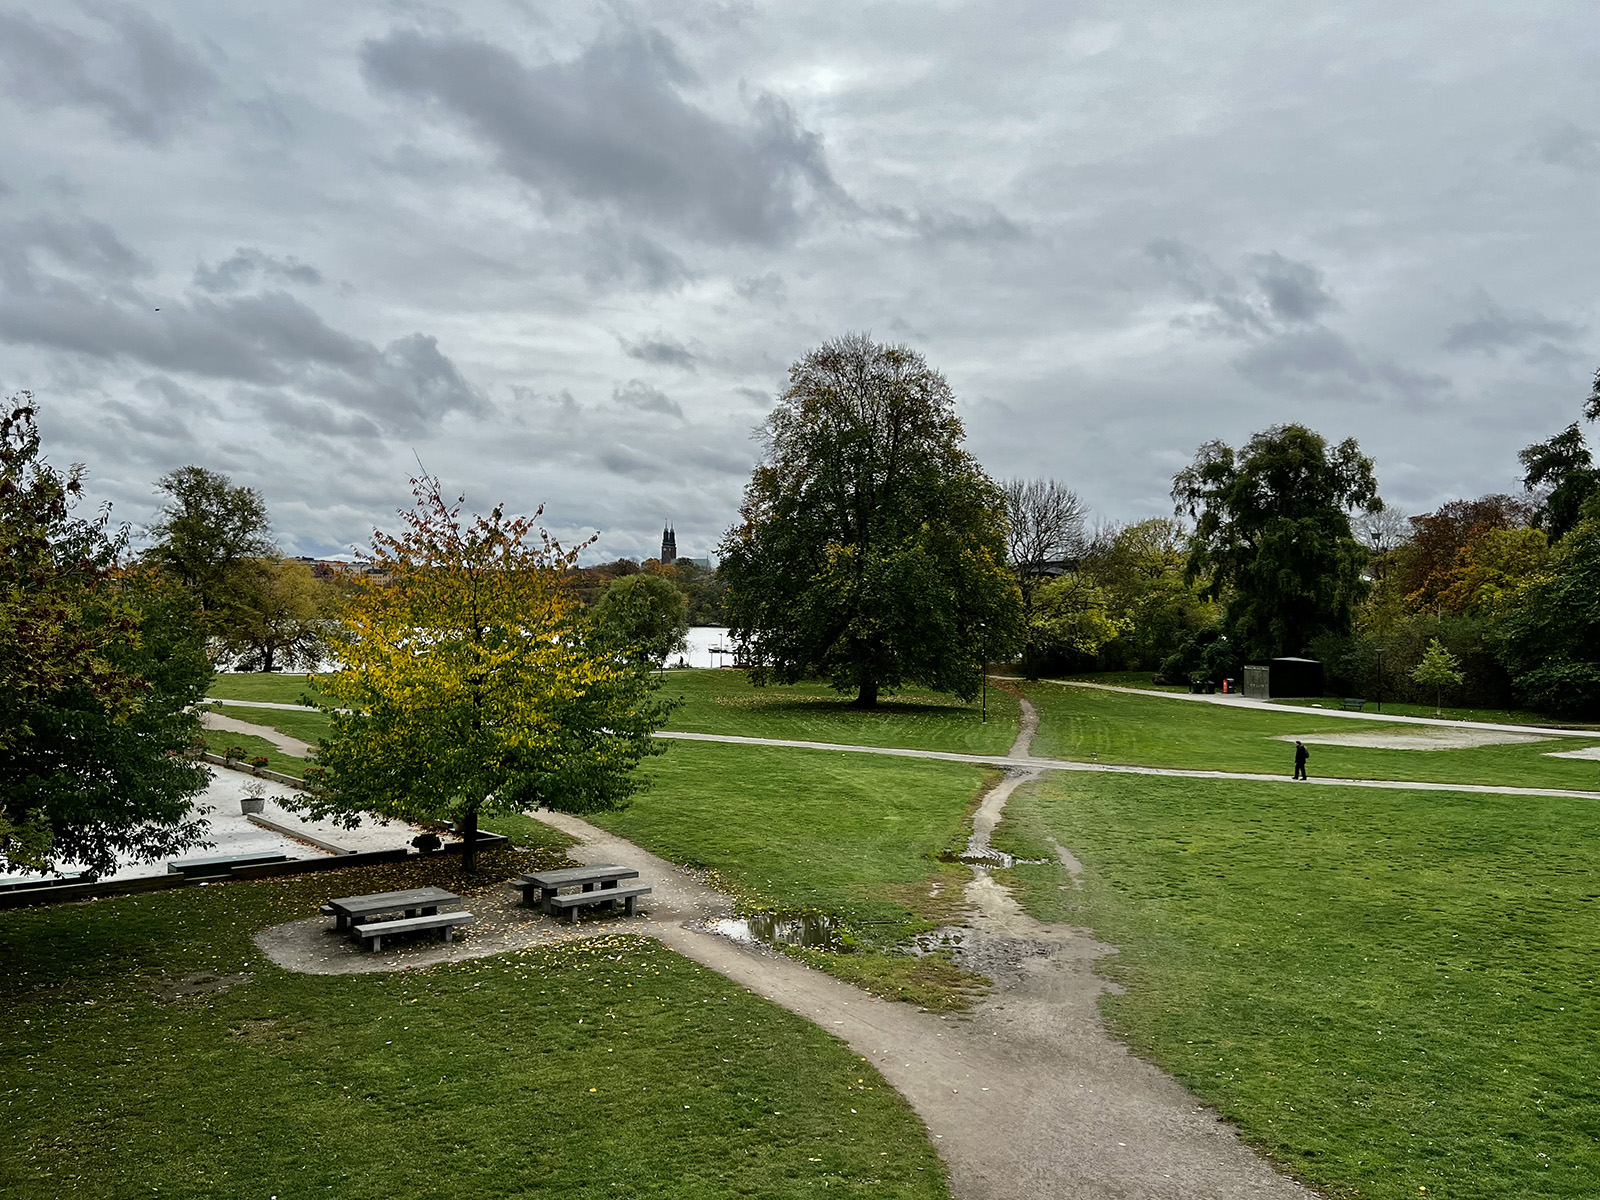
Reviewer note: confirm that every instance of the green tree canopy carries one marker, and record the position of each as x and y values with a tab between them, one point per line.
644	615
472	682
208	534
1562	474
1438	669
98	665
870	546
277	615
1551	631
1272	534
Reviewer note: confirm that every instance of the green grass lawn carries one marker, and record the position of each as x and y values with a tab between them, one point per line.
841	833
309	725
272	688
219	740
1148	730
1386	991
607	1068
726	702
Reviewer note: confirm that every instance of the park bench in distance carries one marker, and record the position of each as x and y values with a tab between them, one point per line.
1353	702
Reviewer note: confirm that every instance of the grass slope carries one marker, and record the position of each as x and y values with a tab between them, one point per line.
1394	994
606	1068
1148	730
259	686
726	702
840	833
309	725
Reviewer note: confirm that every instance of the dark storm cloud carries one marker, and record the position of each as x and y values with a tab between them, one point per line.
614	126
136	74
628	258
267	338
1294	291
660	350
245	264
638	394
1493	329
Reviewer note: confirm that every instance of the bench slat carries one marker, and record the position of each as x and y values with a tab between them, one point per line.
445	923
580	899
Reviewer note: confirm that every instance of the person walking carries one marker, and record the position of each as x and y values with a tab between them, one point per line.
1300	756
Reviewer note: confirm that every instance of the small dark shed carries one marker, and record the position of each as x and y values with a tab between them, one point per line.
1283	677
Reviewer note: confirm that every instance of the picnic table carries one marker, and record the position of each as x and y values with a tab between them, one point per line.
351	910
597	887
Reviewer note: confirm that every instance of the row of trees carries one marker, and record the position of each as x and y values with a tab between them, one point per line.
874	551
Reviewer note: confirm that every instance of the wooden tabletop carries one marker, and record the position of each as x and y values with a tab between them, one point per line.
573	876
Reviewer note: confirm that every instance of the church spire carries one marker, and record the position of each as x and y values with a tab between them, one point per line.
669	544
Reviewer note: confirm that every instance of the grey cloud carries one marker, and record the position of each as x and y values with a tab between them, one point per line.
268	339
1275	293
75	242
636	393
661	350
1294	291
246	263
1569	146
614	126
629	258
1318	361
937	225
763	289
1493	330
139	76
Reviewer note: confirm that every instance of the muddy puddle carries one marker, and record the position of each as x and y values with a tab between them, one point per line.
817	930
989	857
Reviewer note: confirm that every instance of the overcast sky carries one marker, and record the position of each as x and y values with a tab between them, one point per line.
565	256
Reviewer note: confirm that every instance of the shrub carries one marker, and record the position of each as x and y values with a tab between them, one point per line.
233	753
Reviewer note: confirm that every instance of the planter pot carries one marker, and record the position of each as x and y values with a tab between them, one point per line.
248	805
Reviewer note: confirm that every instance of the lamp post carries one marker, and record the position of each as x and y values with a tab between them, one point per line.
983	631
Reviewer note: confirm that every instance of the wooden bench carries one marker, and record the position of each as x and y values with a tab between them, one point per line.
208	868
1353	702
374	932
603	897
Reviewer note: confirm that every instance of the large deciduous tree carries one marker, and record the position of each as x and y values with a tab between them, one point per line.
1044	537
98	665
870	547
471	681
208	536
1273	536
277	615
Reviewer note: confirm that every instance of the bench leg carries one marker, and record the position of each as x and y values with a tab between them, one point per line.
628	905
447	933
374	943
572	915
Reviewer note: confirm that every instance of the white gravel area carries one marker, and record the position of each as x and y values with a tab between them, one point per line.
1592	753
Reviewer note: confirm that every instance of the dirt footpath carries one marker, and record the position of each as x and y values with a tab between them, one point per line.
1027	1097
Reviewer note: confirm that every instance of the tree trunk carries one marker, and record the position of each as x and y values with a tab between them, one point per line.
867	697
469	839
266	660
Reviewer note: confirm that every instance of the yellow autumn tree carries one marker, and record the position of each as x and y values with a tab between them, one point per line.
472	682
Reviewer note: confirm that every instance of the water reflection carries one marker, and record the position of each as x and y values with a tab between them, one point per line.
818	930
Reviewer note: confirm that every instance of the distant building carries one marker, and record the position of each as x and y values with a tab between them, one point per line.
669	545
